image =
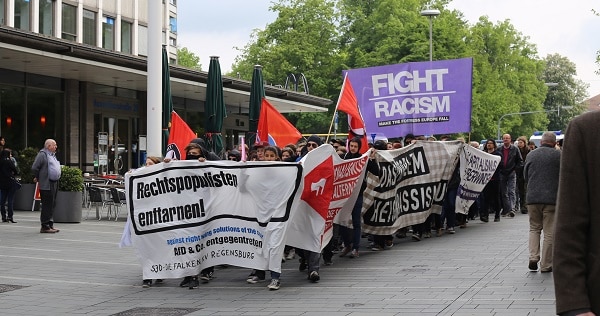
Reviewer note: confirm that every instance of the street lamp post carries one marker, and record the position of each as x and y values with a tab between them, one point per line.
528	112
430	13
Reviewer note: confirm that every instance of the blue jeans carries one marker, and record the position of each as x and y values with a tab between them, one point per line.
8	195
352	236
508	197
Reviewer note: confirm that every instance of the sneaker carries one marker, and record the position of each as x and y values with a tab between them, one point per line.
427	235
450	230
185	282
354	253
253	279
159	281
274	285
533	265
193	283
345	251
484	219
546	270
146	283
389	244
511	214
314	276
401	235
496	219
205	277
439	232
291	254
416	237
328	262
376	248
303	265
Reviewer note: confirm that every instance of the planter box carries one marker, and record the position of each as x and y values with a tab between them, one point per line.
24	197
68	207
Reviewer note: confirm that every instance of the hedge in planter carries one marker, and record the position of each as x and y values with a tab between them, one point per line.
24	196
69	197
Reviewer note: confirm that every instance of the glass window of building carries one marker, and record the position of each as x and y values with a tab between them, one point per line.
108	33
2	19
142	40
173	41
69	22
22	14
89	27
126	37
173	24
173	2
46	17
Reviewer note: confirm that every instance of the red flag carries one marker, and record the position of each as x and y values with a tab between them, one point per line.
348	104
274	127
179	137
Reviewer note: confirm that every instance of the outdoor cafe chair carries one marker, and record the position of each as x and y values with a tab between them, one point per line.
96	200
116	201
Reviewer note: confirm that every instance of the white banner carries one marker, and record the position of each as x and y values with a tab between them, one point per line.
186	215
476	169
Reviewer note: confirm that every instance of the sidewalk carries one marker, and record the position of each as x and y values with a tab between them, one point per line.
480	270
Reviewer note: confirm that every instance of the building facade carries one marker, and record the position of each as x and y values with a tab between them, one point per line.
76	71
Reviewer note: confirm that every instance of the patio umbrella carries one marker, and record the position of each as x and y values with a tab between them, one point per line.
214	106
167	102
257	93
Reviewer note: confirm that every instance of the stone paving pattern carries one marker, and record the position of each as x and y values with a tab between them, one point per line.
480	270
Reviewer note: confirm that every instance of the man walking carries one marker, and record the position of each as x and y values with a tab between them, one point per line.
46	171
541	172
511	160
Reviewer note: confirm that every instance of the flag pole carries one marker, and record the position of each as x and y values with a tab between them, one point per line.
336	107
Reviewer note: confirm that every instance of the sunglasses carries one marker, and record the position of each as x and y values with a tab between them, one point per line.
313	145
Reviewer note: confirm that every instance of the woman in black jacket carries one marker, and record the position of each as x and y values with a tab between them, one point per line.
8	184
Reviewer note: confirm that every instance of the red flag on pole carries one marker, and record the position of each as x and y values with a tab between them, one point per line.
274	127
179	137
348	103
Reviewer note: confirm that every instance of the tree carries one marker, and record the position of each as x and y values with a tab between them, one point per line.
569	91
302	40
507	78
188	59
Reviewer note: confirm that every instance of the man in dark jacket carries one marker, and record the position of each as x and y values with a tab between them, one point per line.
510	162
541	172
576	257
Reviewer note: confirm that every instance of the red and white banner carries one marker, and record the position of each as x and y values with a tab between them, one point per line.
329	189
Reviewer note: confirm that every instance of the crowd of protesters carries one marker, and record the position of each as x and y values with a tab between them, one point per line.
503	196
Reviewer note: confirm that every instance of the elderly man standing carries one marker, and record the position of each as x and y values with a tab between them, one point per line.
510	162
541	173
46	171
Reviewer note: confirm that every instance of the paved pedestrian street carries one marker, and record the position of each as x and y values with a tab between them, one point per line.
480	270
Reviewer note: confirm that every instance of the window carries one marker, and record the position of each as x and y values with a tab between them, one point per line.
125	37
46	17
142	40
89	27
69	22
108	33
173	24
172	41
2	4
173	2
22	15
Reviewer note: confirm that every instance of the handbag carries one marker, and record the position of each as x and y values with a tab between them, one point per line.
16	184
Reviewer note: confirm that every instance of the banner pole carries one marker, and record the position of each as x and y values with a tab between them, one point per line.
336	107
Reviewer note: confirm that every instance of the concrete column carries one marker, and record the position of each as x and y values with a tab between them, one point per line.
154	105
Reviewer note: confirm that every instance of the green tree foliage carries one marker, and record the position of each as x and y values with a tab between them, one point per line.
507	78
302	40
569	92
188	59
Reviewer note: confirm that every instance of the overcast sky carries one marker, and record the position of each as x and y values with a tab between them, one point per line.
214	28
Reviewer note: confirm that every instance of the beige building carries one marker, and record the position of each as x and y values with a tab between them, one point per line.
76	71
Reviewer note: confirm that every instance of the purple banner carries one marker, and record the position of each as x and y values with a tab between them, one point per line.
422	98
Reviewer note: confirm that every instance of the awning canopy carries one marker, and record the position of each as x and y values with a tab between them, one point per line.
33	53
